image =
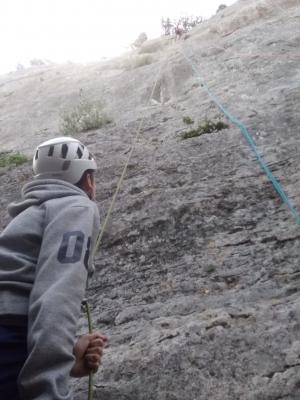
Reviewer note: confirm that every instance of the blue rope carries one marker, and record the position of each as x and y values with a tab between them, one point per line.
247	136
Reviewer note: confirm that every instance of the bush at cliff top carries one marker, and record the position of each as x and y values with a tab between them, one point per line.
139	41
186	22
221	7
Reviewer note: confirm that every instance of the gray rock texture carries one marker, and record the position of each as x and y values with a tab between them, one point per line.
197	283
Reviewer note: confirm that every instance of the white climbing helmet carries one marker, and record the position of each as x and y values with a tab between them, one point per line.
62	158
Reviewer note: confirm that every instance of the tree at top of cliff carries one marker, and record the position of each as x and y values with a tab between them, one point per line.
139	41
167	25
37	62
187	23
221	7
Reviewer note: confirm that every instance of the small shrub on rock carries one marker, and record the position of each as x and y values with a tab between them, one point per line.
221	7
207	127
188	121
136	62
83	118
294	100
8	160
210	269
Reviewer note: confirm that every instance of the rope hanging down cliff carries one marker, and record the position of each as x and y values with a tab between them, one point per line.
239	124
128	159
247	136
85	303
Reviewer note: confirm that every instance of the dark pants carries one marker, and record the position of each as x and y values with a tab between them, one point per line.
13	354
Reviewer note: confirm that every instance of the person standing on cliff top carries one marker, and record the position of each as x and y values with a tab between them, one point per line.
178	32
45	261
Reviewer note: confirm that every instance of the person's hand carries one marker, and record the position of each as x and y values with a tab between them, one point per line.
88	351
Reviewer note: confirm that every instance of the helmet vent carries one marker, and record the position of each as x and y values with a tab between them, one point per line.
50	152
79	153
66	165
36	154
64	151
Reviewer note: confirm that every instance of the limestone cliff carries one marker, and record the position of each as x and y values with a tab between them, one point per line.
197	283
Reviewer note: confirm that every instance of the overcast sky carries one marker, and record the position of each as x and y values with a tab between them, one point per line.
84	30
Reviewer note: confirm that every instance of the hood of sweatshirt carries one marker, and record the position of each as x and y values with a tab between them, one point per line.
37	192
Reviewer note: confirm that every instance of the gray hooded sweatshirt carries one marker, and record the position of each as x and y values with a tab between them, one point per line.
45	257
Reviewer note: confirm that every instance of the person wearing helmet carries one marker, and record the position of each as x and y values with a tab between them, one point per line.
45	263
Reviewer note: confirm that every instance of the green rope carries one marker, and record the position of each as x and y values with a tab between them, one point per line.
127	162
91	375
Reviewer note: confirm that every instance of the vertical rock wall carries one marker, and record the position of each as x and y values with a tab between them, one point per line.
197	283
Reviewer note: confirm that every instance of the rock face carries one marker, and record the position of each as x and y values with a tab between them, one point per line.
197	283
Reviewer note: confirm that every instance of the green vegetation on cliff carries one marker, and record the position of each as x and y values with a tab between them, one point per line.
83	118
8	160
207	126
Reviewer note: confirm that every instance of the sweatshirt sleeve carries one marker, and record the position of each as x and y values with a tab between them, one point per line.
55	301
